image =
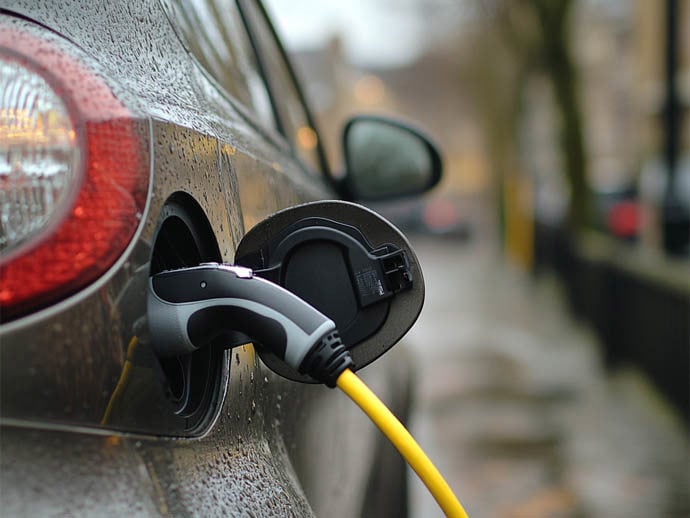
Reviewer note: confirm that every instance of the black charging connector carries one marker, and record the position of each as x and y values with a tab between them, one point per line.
221	305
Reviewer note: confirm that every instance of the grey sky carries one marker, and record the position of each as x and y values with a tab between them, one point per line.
372	32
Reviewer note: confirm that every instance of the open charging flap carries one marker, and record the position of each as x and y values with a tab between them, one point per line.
346	261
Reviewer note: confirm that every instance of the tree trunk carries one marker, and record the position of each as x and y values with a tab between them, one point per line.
558	64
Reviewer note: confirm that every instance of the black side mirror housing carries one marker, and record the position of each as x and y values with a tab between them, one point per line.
387	159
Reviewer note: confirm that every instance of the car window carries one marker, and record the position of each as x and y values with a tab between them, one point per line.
293	116
214	32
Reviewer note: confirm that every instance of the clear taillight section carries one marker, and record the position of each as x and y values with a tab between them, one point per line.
74	172
39	156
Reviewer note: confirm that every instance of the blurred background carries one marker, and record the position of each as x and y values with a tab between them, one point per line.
553	348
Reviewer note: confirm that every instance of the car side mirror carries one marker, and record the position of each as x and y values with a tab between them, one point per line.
385	159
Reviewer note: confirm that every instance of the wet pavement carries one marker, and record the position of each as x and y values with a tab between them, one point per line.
515	407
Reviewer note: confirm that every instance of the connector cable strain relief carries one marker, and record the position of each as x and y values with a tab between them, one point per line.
328	360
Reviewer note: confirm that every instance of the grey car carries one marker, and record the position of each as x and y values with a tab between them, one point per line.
138	137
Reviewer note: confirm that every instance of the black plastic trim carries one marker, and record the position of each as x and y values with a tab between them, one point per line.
345	185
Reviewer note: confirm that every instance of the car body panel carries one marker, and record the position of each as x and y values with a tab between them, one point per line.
86	423
213	160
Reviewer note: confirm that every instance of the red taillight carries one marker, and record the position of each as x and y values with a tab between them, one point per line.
53	244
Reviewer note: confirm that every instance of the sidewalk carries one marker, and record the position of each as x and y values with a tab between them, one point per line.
515	408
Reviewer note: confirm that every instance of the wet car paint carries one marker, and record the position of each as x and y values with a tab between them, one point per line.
60	368
208	165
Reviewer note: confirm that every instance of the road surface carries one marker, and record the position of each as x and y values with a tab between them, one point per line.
516	409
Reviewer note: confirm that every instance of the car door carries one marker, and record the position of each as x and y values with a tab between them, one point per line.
304	169
273	162
278	160
284	165
283	161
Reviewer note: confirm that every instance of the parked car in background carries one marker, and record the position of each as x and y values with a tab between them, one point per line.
137	137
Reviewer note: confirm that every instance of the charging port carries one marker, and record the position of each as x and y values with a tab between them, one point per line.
184	238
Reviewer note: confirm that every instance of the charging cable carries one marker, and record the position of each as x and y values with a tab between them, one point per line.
210	304
403	441
122	380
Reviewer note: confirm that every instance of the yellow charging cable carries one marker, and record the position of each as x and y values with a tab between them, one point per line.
122	381
356	390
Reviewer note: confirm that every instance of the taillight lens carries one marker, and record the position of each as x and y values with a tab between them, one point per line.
39	156
74	174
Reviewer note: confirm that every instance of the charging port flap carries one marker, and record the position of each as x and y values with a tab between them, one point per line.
349	263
